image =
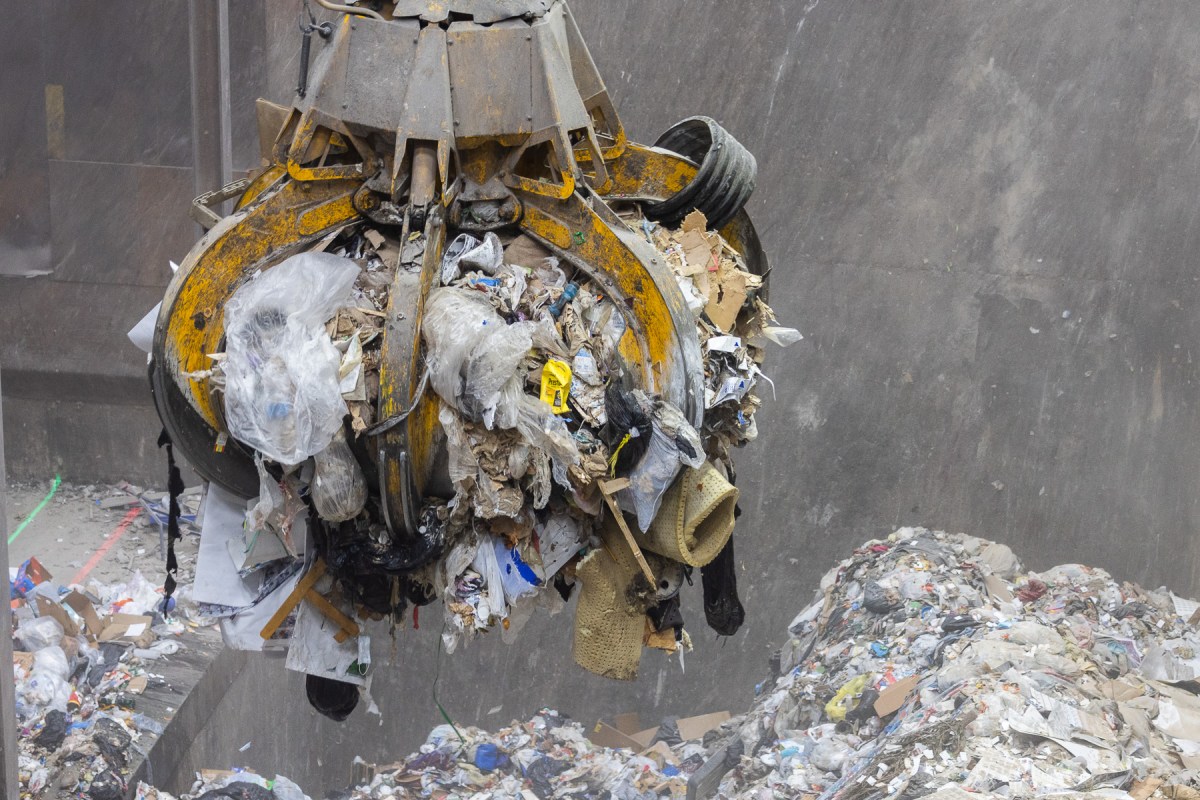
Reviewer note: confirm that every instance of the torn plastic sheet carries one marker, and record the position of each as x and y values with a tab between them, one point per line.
465	253
282	394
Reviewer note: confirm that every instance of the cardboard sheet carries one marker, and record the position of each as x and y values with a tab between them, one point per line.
891	698
130	628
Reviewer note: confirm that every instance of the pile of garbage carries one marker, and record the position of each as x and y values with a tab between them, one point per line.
928	665
82	657
229	785
933	665
547	756
549	443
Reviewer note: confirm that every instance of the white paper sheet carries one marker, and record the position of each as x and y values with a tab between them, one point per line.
217	580
313	649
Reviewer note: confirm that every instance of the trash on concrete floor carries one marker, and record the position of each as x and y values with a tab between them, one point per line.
83	655
928	665
230	785
549	444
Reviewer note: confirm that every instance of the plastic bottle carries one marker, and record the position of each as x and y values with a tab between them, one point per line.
569	293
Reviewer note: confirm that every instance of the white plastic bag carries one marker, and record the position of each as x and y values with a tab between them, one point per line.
39	633
53	661
282	395
474	356
339	489
488	566
467	253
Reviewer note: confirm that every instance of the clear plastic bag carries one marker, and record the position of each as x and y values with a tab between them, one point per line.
38	633
492	383
43	691
53	661
466	253
673	444
542	428
281	395
339	489
474	356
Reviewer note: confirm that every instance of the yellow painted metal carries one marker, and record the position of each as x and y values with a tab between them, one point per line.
644	172
560	166
280	222
266	177
306	130
407	452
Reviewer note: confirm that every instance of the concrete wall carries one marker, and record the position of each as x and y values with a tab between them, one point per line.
982	216
95	175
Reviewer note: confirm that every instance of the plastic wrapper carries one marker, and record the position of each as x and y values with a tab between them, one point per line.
339	489
270	499
474	356
51	660
38	633
673	444
282	394
466	253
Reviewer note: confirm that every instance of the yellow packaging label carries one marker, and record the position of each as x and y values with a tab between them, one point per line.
556	385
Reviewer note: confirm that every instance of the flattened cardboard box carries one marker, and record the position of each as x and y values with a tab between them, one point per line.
624	733
49	608
93	626
128	628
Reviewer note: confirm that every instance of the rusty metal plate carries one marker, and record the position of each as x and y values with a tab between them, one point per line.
482	11
483	105
556	102
359	76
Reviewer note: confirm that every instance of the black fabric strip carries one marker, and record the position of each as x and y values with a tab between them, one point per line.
174	489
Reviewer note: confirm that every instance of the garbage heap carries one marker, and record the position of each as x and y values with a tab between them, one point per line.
549	442
933	665
546	757
82	658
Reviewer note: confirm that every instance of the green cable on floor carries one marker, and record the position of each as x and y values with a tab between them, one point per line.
53	489
437	676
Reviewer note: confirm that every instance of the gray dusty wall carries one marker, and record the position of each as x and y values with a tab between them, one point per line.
982	216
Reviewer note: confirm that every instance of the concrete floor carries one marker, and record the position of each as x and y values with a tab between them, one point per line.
67	532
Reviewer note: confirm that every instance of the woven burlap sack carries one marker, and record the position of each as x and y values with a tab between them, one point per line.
608	627
695	519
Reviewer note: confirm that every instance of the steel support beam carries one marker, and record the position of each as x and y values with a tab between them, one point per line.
8	704
212	139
